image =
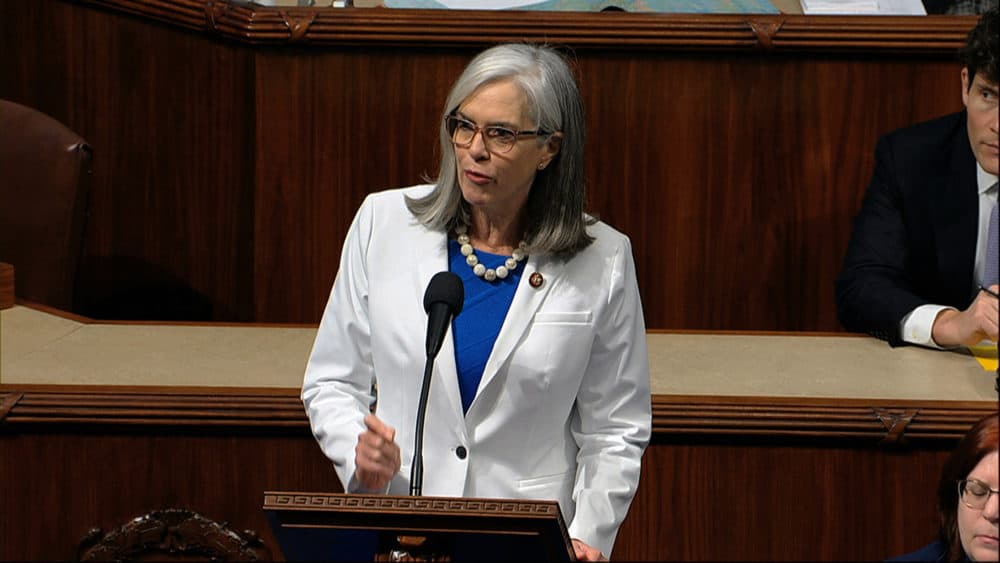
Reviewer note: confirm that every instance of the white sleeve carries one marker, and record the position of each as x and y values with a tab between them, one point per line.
337	388
917	326
612	419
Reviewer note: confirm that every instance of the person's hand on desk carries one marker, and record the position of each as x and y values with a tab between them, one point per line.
377	455
968	327
585	552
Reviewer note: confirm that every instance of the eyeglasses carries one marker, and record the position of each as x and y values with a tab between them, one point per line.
974	493
497	139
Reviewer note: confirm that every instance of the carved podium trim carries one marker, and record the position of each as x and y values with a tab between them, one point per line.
410	505
434	518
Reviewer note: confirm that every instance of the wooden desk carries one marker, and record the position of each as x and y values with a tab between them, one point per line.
44	346
770	430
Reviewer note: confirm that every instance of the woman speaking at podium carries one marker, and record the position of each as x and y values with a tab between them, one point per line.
541	388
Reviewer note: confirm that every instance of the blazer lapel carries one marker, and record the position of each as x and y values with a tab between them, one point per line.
527	300
432	249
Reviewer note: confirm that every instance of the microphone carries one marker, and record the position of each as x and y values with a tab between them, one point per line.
443	300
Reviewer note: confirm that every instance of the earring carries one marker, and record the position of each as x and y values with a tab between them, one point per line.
541	166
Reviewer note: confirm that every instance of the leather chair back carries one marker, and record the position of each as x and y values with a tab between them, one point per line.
45	171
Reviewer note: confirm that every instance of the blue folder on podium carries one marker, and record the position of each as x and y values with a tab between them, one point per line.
342	527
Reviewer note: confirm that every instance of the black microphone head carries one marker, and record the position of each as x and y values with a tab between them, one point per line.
447	288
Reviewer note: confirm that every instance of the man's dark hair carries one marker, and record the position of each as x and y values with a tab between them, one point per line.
980	51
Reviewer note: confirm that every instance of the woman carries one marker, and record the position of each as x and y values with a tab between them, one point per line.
967	500
541	388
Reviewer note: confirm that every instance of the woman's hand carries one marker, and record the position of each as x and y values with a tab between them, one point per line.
586	553
376	456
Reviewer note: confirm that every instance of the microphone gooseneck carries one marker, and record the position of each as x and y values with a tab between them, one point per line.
443	300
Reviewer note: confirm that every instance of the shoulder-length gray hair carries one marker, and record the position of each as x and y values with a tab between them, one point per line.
556	222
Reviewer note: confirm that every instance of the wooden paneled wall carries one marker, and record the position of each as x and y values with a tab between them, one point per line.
232	146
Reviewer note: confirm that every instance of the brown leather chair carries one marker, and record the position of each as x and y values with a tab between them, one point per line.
45	171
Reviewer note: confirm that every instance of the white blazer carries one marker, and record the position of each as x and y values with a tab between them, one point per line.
563	408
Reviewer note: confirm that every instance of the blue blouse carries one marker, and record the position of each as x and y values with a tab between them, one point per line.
476	328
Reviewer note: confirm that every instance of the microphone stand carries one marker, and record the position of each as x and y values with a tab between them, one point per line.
425	547
417	469
443	301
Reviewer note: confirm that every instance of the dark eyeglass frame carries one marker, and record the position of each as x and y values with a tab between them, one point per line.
963	485
451	123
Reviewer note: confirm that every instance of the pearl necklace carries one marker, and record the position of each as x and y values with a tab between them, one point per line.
482	271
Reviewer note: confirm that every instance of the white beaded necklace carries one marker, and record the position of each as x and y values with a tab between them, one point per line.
482	271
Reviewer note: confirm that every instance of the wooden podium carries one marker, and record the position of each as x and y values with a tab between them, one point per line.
342	527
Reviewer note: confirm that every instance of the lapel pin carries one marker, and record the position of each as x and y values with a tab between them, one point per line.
536	280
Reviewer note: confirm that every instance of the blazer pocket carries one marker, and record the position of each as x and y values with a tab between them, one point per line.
567	318
543	481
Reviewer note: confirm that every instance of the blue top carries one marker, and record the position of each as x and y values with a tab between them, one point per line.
476	328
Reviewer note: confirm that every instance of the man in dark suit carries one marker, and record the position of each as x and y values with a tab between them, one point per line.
917	255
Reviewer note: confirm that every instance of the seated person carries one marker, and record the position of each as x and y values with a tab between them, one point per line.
967	500
917	257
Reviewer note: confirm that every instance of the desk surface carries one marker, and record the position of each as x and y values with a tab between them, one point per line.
38	347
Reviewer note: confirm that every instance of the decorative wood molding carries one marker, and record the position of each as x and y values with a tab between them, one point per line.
420	527
917	34
581	30
764	32
297	24
7	402
878	421
152	407
895	423
875	421
407	505
172	533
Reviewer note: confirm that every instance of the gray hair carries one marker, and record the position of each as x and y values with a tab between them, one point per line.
556	222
